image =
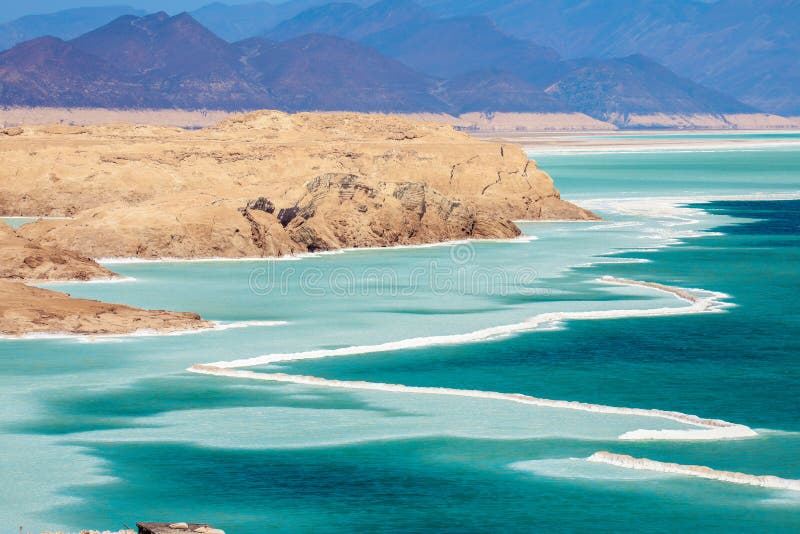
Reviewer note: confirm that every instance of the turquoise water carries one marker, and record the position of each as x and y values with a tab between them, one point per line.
104	433
713	174
16	222
771	135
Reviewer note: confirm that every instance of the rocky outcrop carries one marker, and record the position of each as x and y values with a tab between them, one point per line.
269	184
31	310
177	528
22	259
343	210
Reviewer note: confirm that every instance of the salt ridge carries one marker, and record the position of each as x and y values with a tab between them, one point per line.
671	148
711	429
629	462
90	338
305	255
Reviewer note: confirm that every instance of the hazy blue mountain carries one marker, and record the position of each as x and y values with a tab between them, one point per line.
157	43
350	20
456	46
177	60
329	73
747	48
14	10
160	61
493	90
231	22
610	88
238	22
439	47
63	24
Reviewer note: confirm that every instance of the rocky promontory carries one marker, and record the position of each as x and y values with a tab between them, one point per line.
269	184
23	259
256	185
28	310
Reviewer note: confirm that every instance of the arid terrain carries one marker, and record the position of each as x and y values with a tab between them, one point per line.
257	185
32	310
268	184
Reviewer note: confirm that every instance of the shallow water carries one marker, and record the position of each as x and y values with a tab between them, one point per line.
16	222
107	432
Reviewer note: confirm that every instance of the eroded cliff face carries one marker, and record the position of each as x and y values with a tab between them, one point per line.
268	184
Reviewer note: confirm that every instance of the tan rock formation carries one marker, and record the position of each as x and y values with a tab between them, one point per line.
262	184
22	259
29	310
268	183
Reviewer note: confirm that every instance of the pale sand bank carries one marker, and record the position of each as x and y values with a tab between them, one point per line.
474	121
17	116
26	310
520	122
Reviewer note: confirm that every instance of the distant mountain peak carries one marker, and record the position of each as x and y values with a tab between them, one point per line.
157	41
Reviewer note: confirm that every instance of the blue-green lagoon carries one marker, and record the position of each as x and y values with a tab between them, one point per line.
101	432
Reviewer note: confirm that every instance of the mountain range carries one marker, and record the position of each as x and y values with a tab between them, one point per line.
393	55
748	48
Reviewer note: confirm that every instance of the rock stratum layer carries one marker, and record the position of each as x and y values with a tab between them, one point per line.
268	184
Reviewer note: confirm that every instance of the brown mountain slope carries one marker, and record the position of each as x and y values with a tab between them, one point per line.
177	62
322	72
48	70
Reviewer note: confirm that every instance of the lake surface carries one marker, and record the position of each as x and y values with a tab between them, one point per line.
99	433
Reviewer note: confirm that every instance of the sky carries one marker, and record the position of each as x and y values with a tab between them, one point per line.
12	9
